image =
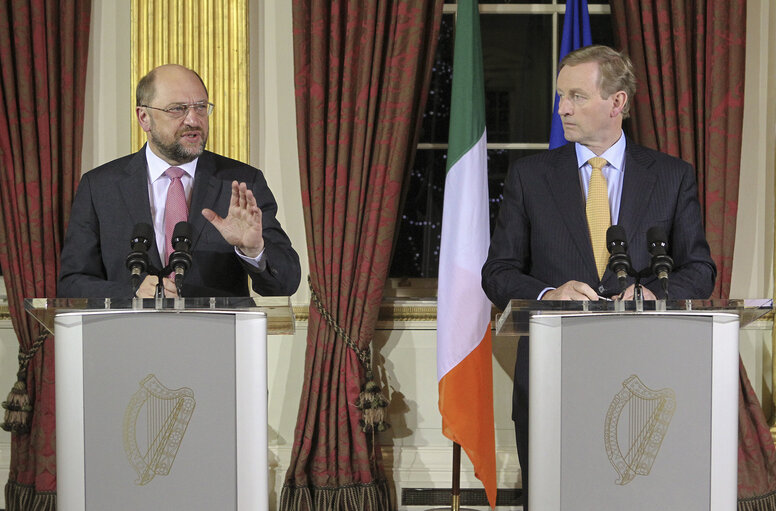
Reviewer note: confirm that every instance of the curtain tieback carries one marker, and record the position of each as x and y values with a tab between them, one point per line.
370	401
18	406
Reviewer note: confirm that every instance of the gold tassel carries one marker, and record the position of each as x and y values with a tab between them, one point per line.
18	407
372	404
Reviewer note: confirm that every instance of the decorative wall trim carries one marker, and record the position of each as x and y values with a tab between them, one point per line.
392	310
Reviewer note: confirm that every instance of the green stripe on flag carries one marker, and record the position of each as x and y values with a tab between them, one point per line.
467	112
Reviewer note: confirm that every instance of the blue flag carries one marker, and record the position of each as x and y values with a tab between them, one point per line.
576	34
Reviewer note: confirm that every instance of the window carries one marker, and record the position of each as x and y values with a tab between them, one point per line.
520	41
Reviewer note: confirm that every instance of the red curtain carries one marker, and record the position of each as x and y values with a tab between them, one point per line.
362	75
689	61
43	50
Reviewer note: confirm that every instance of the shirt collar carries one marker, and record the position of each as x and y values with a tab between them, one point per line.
157	166
614	155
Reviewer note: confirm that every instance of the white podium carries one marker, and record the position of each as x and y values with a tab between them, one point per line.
632	409
161	404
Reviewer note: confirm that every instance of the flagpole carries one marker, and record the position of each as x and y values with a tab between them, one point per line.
455	491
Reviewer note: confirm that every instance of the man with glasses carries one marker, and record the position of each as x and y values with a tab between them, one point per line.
234	233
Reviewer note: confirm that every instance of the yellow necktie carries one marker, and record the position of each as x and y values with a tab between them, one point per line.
598	217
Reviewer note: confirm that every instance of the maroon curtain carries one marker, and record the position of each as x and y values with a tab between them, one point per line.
362	76
689	57
43	49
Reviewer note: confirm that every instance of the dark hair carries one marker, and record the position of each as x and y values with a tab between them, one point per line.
616	71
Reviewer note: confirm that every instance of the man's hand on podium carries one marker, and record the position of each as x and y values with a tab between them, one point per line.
571	290
628	295
147	288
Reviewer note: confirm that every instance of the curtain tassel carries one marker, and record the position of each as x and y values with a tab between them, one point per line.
18	406
372	404
370	400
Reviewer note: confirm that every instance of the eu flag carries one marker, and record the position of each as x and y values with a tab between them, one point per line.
576	34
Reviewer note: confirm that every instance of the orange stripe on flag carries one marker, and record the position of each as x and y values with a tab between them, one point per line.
466	405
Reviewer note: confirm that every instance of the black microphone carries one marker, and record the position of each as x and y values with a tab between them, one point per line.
180	259
619	261
137	259
661	263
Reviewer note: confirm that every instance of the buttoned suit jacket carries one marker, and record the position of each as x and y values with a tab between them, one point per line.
541	237
114	197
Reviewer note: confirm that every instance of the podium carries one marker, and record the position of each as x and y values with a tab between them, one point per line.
162	403
632	405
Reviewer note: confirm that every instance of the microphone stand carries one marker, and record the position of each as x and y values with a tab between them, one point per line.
159	294
638	297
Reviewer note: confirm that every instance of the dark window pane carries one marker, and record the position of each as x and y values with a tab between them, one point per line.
499	161
436	118
600	29
416	253
517	52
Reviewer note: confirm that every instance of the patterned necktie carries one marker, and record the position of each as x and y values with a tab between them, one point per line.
598	216
175	208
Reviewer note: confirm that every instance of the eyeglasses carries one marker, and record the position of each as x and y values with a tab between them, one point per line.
181	110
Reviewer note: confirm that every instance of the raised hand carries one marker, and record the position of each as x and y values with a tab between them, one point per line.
242	226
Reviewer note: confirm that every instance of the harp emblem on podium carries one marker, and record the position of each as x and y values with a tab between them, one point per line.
155	422
636	423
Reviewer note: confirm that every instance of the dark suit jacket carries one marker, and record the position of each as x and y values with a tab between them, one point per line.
541	238
113	198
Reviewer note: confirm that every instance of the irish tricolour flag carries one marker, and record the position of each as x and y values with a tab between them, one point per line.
464	366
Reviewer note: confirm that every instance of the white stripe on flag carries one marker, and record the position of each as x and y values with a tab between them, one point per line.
463	310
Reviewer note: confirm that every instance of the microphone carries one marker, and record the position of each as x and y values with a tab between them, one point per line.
180	259
661	263
619	261
137	259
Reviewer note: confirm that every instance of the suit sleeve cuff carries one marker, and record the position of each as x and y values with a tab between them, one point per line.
259	262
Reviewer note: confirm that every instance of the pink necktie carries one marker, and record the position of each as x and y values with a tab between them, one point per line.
175	208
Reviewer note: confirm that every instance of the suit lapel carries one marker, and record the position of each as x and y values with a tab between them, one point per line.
205	193
133	187
563	182
637	187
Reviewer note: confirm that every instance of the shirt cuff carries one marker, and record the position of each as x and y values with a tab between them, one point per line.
259	262
544	291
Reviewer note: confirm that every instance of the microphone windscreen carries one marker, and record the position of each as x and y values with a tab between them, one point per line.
181	237
615	234
182	230
143	233
656	235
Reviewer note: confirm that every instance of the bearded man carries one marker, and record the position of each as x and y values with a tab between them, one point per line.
231	210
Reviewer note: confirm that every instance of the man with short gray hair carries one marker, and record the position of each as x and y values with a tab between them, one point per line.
549	239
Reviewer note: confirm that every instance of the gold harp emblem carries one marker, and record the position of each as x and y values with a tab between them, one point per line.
166	414
642	415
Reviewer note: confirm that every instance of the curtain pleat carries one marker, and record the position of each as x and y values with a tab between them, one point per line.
362	72
43	51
